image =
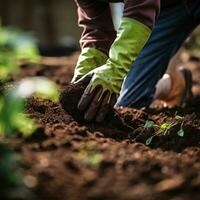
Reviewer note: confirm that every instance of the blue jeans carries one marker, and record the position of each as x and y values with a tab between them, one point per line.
171	30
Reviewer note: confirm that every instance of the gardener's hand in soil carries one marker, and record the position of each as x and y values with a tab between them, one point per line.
105	85
100	95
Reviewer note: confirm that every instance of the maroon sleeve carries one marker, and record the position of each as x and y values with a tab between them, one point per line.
95	19
145	11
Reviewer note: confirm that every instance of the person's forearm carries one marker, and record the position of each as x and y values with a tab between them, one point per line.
144	11
95	19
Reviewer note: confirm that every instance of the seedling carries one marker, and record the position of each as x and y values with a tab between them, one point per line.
164	127
148	124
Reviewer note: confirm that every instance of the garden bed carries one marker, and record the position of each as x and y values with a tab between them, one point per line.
134	155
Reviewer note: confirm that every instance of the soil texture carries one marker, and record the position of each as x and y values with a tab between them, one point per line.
134	155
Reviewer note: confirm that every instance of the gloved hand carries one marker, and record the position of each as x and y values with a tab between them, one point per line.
106	81
89	59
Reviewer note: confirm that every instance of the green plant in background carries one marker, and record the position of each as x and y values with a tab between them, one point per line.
9	173
12	111
7	64
15	45
12	184
12	119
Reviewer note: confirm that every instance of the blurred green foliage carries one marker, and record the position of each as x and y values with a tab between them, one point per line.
15	45
12	109
9	109
10	175
12	117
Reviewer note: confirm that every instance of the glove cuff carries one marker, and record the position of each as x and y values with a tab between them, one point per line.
132	35
89	59
131	38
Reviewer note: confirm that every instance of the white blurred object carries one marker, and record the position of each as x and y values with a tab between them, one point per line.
36	85
117	13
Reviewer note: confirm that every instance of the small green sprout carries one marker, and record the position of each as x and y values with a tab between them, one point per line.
181	132
149	124
165	126
149	140
159	129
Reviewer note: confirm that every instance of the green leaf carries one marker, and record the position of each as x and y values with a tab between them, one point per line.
1	104
10	107
8	64
24	124
181	132
149	124
10	172
165	126
149	140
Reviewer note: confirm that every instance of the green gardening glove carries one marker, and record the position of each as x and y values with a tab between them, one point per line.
89	59
106	81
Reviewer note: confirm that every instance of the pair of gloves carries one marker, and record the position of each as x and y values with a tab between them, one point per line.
107	73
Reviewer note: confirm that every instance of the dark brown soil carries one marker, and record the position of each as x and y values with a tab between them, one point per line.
69	99
67	159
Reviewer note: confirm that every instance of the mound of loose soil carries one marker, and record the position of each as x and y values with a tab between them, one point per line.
70	160
69	99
